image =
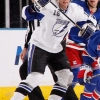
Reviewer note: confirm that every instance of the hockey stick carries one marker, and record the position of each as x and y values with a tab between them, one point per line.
67	16
95	75
73	83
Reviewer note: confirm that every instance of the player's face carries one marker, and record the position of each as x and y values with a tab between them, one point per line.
32	1
64	4
93	3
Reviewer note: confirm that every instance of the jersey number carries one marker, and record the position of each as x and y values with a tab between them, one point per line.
56	13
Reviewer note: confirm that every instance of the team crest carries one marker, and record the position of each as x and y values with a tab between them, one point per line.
59	27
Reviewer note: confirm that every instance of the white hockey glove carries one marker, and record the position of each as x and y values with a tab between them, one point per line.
85	74
39	4
87	30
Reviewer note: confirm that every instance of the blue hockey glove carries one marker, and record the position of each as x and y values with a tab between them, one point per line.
29	13
39	4
87	30
84	74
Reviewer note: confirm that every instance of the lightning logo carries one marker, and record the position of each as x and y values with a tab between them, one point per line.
59	27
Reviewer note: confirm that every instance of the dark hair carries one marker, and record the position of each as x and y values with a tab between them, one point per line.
99	4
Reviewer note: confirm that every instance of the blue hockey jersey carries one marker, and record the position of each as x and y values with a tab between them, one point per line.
93	46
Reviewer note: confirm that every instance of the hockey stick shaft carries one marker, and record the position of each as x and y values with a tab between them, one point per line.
67	16
95	75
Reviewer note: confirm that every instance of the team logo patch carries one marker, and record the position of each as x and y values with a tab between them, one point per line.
59	27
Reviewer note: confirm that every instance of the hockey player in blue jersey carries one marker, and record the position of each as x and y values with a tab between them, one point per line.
76	42
92	86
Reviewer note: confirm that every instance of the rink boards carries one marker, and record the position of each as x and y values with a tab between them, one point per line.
12	43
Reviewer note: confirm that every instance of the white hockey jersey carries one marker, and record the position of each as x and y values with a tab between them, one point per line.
54	26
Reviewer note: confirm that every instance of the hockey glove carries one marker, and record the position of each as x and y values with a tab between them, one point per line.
29	13
87	30
39	4
84	74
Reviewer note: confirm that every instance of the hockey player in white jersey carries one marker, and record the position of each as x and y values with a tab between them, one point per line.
47	39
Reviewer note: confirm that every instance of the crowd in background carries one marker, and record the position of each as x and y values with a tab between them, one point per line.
14	13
